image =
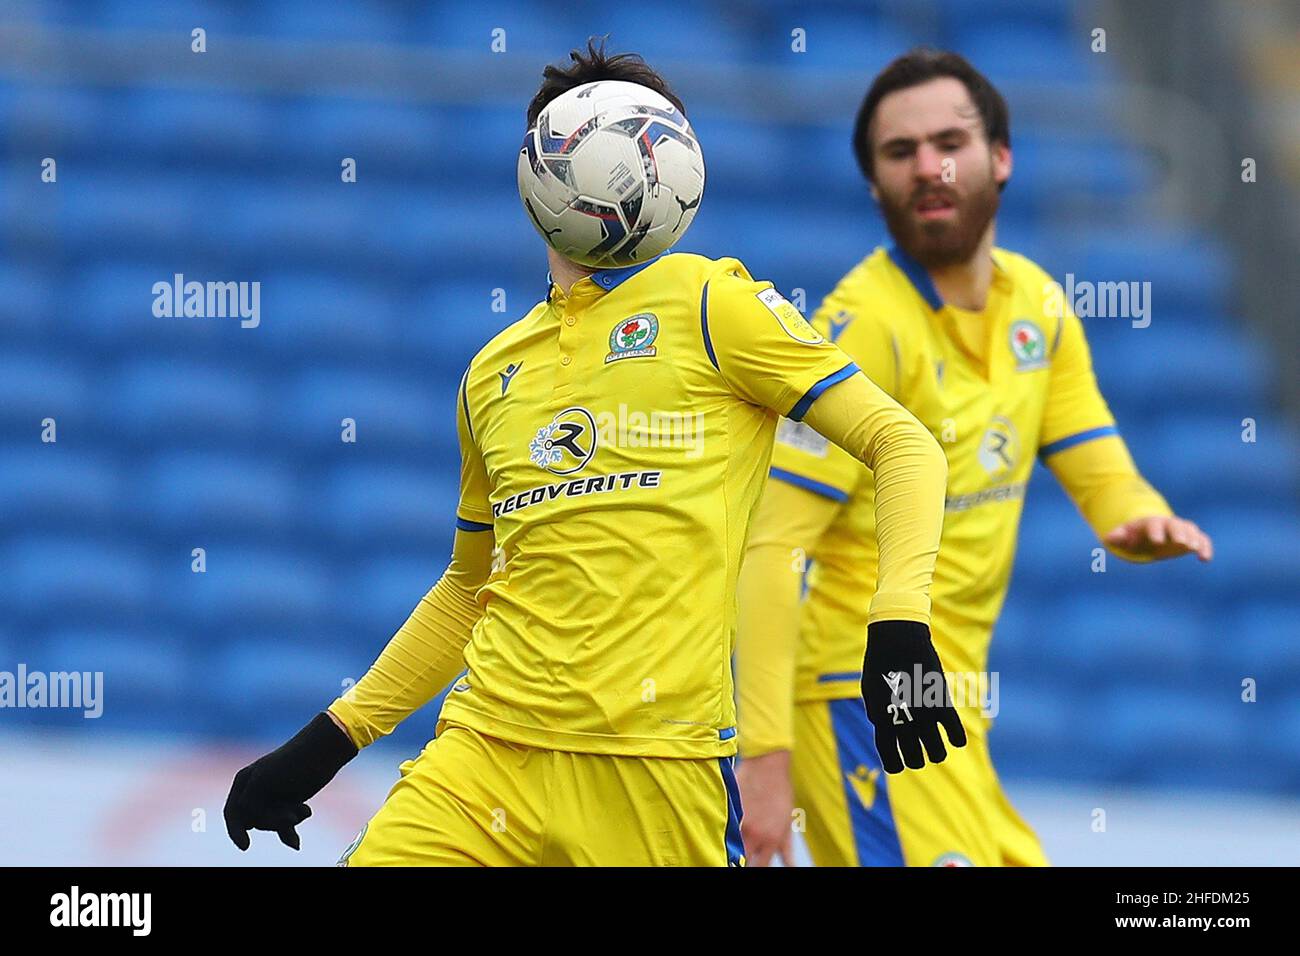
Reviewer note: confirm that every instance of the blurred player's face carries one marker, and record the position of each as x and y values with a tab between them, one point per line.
936	174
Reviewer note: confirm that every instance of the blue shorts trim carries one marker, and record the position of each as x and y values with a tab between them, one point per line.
875	836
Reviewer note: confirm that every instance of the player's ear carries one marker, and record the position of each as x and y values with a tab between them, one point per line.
875	193
1001	163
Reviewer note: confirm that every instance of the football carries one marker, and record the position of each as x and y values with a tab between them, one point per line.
611	175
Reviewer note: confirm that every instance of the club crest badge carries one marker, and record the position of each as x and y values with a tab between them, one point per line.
633	337
1028	345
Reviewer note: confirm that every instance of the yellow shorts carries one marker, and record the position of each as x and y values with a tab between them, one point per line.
472	800
948	814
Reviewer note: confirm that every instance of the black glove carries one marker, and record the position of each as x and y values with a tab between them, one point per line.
271	792
901	698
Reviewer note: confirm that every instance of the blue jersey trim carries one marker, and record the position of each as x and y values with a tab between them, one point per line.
1077	439
839	676
464	401
733	842
464	524
704	327
917	275
801	407
816	487
726	733
609	279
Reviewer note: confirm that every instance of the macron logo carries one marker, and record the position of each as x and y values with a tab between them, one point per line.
103	909
510	371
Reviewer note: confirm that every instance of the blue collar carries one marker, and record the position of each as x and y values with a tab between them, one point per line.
609	279
917	275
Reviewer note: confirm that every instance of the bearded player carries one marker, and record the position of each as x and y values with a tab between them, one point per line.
975	341
594	721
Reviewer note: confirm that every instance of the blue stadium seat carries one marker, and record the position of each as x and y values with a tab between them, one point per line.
378	134
468	25
488	158
132	213
1154	734
383	590
362	21
248	586
157	399
76	119
266	688
216	492
1257	550
52	486
961	14
1186	272
1019	52
832	40
27	307
35	386
307	315
198	127
745	158
1164	636
1256	638
1175	452
1162	370
67	575
363	502
148	678
183	15
1051	169
405	414
662	36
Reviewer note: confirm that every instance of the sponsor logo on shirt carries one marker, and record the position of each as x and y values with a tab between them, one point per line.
999	447
564	445
1001	493
578	487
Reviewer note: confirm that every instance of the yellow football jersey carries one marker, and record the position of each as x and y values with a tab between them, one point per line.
616	440
1028	391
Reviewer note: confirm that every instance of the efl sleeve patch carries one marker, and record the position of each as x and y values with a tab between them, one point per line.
791	319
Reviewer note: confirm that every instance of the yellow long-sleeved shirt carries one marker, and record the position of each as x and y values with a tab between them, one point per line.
614	444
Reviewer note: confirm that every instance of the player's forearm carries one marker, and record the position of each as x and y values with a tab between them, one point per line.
911	475
786	525
425	654
1105	485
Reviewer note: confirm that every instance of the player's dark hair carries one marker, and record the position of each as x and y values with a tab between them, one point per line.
920	65
595	64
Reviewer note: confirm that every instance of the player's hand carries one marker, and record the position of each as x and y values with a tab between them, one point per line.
272	792
1162	537
907	715
767	795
